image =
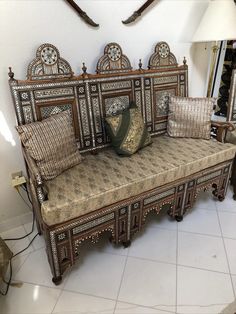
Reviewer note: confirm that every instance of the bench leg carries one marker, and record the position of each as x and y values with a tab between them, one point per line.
126	243
57	280
233	178
179	218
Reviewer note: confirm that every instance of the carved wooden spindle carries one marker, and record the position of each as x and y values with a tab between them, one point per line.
184	61
11	74
140	65
84	69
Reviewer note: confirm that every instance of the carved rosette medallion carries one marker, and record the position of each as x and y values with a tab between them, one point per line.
48	64
113	60
162	57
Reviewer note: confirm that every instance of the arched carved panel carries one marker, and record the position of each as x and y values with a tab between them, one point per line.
48	64
162	57
113	60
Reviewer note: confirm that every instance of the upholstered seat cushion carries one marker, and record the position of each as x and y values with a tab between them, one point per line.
106	178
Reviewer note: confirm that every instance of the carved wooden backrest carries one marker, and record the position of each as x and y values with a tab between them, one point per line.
52	88
162	57
113	60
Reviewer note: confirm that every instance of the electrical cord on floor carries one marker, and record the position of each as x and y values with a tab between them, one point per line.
33	222
8	283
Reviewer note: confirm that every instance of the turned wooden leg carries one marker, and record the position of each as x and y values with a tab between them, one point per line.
233	178
126	243
179	218
234	188
57	280
221	198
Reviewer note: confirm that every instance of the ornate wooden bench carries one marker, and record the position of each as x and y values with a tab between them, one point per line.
170	171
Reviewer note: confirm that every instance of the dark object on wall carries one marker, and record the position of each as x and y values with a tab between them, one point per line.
229	64
82	14
138	13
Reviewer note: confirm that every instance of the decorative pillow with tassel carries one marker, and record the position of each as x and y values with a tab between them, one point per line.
127	131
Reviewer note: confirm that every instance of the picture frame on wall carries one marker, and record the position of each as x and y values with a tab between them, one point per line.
231	112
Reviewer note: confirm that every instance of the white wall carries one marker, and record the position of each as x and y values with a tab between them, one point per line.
24	25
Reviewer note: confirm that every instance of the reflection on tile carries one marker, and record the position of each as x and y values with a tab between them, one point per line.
228	223
70	302
201	251
202	291
126	308
38	242
104	246
29	299
230	246
149	283
161	220
228	204
155	244
40	274
201	221
17	245
98	274
205	200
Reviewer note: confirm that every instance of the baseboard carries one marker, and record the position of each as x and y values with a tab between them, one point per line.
15	222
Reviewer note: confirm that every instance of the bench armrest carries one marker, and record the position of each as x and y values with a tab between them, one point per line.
35	177
221	129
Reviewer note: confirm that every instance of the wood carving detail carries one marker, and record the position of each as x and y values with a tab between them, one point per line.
162	57
48	64
113	60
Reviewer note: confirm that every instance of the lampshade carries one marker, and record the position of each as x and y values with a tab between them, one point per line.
218	22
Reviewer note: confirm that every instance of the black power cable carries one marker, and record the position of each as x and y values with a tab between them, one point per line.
20	238
33	222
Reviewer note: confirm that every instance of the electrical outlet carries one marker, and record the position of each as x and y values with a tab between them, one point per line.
16	174
17	179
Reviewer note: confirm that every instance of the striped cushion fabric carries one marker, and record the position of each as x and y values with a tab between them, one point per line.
51	143
190	117
127	131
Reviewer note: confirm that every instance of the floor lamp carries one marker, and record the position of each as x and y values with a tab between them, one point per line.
218	23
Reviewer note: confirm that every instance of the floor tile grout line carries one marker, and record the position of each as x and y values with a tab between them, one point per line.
57	301
232	284
121	280
206	234
177	259
13	276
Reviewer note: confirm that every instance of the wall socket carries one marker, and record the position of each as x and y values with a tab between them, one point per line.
17	179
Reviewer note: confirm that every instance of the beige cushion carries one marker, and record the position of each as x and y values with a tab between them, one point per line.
51	143
106	178
231	137
190	117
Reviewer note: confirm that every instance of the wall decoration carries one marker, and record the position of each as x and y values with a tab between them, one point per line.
82	14
138	13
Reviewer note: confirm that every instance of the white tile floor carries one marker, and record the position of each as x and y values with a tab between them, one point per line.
186	267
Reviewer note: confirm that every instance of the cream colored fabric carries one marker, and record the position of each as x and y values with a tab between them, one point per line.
231	137
190	117
106	178
51	143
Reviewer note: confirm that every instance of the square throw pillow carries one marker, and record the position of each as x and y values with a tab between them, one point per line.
127	131
190	117
51	143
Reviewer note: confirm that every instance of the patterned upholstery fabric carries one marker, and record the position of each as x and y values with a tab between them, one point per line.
231	137
51	143
5	256
106	178
190	117
127	131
